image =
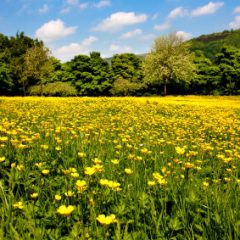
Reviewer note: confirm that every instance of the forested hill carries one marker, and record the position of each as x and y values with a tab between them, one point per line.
211	44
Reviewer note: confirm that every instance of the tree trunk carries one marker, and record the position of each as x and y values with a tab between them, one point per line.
24	89
165	88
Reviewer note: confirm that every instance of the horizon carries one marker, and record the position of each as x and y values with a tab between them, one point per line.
72	27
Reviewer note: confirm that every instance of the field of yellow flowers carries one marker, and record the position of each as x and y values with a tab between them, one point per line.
120	168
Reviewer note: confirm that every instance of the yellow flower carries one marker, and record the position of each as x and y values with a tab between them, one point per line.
65	210
57	197
81	154
44	147
69	193
18	205
106	220
89	170
2	159
128	171
39	164
45	172
205	184
13	165
189	165
3	139
179	150
75	175
151	183
34	195
144	151
20	167
81	185
115	161
58	148
98	167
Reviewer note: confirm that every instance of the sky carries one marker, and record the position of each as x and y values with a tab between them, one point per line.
72	27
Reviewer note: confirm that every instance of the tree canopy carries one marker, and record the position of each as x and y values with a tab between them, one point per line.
169	60
209	64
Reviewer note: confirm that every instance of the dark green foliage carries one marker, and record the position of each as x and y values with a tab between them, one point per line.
6	83
211	44
90	75
127	74
208	75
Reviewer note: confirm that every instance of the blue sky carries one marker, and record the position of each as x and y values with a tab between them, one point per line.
72	27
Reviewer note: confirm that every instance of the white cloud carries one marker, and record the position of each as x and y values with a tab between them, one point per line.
184	35
83	5
210	8
162	27
236	23
102	3
115	48
65	10
237	9
43	9
67	52
131	34
177	12
118	20
54	30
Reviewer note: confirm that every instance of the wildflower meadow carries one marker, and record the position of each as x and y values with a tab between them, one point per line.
120	168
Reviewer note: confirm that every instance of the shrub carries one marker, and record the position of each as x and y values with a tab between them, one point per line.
62	89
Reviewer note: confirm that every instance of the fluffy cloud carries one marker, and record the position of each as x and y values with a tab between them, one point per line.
43	9
237	10
131	34
102	3
184	35
119	20
210	8
54	30
115	48
177	12
162	27
236	23
67	52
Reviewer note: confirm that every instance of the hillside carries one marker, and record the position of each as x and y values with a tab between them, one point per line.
211	44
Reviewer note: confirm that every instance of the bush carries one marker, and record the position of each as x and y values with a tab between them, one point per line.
61	89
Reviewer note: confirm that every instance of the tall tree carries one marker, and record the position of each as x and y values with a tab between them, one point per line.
208	76
38	65
168	60
127	74
228	61
91	74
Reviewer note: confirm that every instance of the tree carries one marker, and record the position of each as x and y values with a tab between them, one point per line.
38	65
208	76
127	74
6	83
228	61
91	74
168	60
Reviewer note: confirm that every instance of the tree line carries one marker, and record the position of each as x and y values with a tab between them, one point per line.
28	68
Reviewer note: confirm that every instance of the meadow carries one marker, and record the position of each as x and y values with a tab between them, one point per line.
120	168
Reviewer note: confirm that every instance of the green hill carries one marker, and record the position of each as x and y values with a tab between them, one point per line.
211	44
